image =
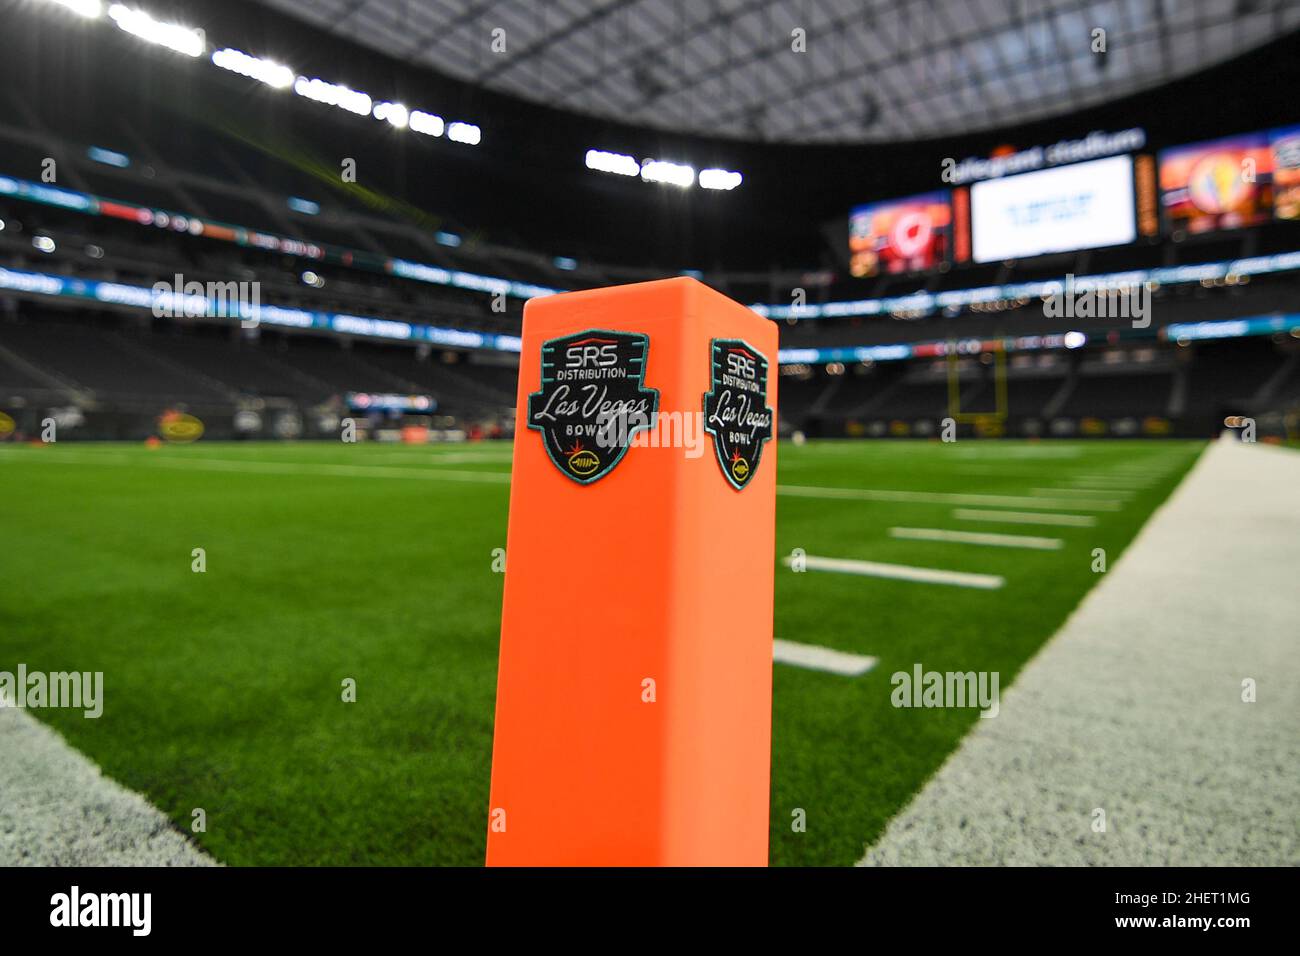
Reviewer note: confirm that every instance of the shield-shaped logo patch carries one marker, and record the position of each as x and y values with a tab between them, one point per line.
593	400
735	408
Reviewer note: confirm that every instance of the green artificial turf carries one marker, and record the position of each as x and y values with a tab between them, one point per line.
330	561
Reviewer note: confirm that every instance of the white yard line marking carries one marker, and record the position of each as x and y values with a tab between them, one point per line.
978	537
1049	492
942	498
1153	471
901	572
994	471
1102	486
1101	481
270	467
1115	476
418	458
1014	452
817	658
1025	517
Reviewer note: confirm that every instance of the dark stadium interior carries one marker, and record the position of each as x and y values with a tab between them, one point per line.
518	208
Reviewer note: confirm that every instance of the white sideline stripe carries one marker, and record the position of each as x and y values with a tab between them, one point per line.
268	467
901	572
978	537
821	658
1025	517
58	809
942	498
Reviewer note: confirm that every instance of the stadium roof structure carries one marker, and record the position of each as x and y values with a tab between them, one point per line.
880	70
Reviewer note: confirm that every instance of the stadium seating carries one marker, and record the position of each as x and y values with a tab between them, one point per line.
131	363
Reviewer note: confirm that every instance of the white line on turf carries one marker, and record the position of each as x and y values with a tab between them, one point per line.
995	471
1112	479
1057	492
817	658
418	458
58	809
901	572
1025	517
271	467
943	498
1014	452
1100	486
978	537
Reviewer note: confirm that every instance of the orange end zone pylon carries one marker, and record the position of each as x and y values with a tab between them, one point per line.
634	694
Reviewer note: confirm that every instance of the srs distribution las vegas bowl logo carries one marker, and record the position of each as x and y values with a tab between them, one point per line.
592	401
735	408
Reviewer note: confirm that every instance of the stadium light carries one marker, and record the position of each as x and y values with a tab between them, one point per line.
333	94
171	35
429	124
466	133
90	9
265	71
393	113
616	163
662	171
719	179
193	43
43	243
109	157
